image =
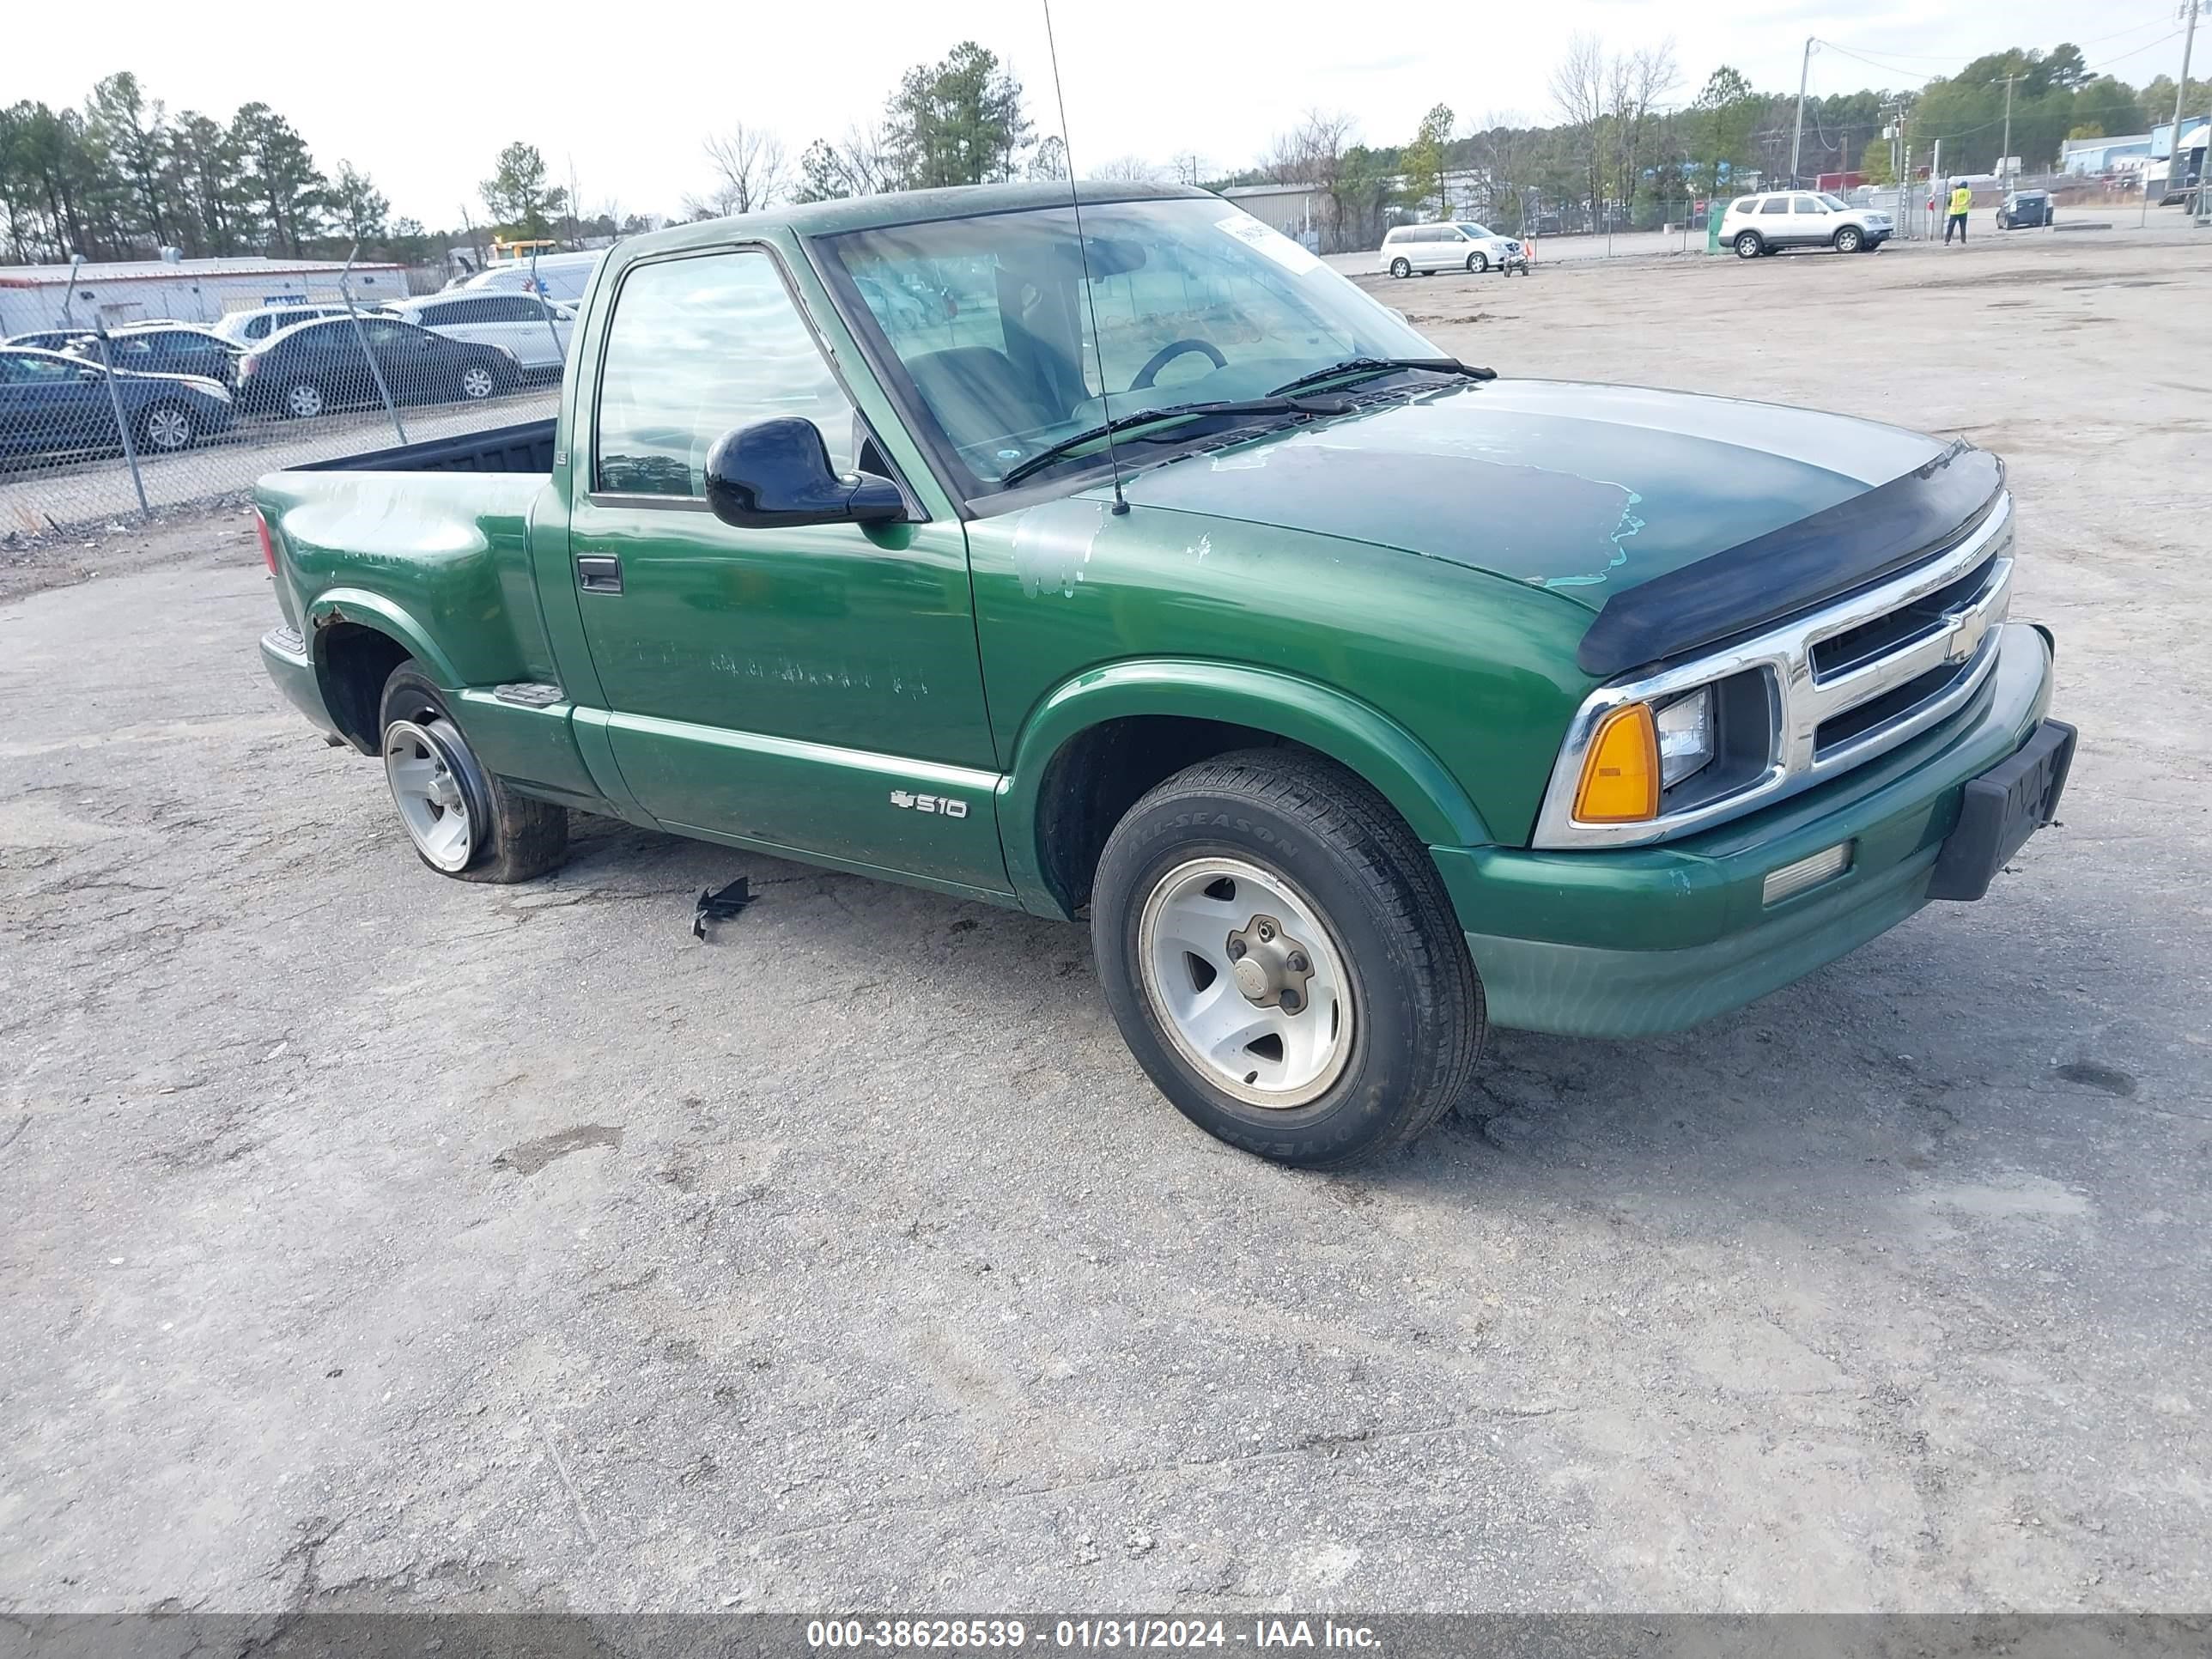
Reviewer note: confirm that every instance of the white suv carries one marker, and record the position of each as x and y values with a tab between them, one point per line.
536	332
1800	218
1431	248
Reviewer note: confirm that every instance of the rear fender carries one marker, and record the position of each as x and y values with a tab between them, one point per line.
355	604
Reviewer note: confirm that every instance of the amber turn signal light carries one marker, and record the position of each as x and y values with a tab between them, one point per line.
1620	772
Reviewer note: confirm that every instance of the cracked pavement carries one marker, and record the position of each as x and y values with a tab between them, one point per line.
377	1241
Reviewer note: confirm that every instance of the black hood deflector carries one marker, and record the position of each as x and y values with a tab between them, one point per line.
1797	568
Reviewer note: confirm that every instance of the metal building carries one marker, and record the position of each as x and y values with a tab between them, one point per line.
187	290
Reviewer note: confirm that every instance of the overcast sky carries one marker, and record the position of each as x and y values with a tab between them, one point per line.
424	97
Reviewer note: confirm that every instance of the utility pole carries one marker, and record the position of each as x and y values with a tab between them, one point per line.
2190	8
1798	135
2005	155
2181	97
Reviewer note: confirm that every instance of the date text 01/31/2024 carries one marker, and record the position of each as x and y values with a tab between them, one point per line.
979	1634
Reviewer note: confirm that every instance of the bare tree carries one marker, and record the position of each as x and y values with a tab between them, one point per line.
1636	82
1189	166
749	172
1504	150
1126	169
1579	86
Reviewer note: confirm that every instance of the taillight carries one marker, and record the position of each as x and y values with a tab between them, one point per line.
268	544
246	365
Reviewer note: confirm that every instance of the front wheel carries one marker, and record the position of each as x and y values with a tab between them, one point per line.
1280	955
1747	246
465	823
167	428
1850	240
1401	268
1478	263
304	401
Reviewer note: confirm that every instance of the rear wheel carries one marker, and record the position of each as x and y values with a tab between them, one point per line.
1401	268
1850	240
167	428
304	400
1747	245
465	823
1281	957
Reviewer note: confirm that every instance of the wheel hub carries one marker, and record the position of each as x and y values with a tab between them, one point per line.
1271	967
1247	981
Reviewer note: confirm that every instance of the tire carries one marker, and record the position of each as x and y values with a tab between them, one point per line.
166	428
304	400
1850	240
1748	245
1401	268
1478	263
1348	917
475	383
463	821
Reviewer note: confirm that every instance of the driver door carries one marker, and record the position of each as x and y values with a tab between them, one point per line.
815	688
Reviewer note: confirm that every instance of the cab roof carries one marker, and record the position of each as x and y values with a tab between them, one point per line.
905	207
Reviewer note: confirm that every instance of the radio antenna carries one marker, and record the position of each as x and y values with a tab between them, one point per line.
1083	253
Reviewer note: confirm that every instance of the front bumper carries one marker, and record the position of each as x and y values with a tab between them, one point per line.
284	654
1655	938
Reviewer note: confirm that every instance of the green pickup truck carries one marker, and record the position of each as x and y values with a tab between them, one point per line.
1112	555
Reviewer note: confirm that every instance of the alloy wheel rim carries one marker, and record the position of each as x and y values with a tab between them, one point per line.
305	400
1247	980
431	802
477	383
168	429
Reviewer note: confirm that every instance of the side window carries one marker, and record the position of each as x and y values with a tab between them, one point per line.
695	347
1805	205
517	308
257	330
439	316
1775	204
388	333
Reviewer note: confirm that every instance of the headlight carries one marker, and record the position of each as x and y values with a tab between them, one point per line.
1685	736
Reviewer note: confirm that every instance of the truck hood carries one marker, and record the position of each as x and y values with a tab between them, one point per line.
1583	489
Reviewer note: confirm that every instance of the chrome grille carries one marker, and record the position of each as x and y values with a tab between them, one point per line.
1846	684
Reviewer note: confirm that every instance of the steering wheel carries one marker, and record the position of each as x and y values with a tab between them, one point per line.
1168	353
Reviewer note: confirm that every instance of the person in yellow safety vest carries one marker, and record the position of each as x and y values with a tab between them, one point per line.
1961	199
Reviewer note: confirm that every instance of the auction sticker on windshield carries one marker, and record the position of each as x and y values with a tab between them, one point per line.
1272	243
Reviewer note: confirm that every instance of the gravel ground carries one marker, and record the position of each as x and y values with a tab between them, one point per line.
378	1241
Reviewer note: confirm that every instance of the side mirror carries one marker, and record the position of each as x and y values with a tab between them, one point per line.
775	473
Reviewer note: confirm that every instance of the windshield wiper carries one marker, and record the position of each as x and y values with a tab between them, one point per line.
1381	365
1273	404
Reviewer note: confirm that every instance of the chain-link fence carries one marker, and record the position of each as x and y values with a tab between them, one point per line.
99	423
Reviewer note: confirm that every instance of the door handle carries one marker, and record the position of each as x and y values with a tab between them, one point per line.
598	573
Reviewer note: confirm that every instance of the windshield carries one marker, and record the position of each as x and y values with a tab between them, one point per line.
1477	231
1835	204
988	321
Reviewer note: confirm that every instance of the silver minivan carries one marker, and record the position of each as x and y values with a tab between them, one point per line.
1431	248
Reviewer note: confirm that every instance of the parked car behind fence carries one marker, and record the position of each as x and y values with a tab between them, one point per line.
535	330
310	367
51	403
165	348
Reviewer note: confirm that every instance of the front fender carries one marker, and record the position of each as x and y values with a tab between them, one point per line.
1324	719
355	604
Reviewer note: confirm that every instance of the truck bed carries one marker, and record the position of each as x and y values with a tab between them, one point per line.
527	447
